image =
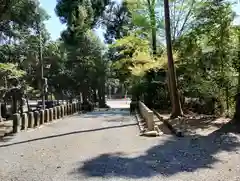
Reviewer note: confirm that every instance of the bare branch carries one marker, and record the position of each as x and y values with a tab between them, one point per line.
178	19
186	18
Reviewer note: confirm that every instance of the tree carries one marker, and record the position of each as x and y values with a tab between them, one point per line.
206	52
85	59
9	71
81	14
19	42
176	106
205	64
117	21
144	16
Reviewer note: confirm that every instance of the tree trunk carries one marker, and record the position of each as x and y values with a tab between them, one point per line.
176	105
27	101
81	97
151	9
0	112
238	87
95	95
154	35
237	109
100	100
85	94
101	94
227	99
14	104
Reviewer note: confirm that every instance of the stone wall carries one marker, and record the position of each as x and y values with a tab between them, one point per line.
35	119
147	115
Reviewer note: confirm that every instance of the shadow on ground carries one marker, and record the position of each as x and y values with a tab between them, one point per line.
173	156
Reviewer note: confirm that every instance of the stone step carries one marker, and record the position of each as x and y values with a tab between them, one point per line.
2	131
9	130
6	124
142	123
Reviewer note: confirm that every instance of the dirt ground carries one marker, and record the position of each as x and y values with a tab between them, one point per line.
196	124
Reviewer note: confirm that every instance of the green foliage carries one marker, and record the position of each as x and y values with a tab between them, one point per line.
205	43
19	47
73	64
117	21
17	17
84	66
206	50
209	50
9	73
80	14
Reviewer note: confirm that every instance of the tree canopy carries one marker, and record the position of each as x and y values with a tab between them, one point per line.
205	46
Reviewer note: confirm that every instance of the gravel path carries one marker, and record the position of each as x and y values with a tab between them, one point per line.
106	146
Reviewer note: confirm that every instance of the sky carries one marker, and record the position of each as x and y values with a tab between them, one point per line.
55	27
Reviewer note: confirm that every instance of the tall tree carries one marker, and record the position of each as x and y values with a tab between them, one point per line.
117	21
85	59
176	105
144	15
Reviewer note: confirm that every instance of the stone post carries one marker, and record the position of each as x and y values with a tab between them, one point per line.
62	111
46	115
58	112
41	117
79	106
71	110
31	120
65	110
51	114
37	118
54	113
16	122
75	107
24	121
